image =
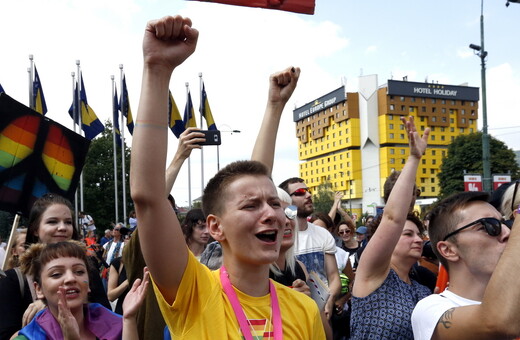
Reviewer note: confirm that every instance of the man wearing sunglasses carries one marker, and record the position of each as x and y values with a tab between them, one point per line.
481	255
315	246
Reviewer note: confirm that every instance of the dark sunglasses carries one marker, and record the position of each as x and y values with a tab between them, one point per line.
300	192
291	212
492	226
341	232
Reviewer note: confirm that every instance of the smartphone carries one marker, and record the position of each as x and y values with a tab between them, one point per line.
212	137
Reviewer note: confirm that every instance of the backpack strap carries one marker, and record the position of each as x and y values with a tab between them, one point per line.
21	280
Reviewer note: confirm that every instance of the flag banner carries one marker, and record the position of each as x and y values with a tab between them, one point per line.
115	118
205	110
37	156
1	89
298	6
127	112
189	116
90	124
174	117
38	98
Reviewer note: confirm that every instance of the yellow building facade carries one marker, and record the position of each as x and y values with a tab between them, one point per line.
355	140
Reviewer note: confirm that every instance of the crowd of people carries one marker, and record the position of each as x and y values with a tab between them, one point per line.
257	261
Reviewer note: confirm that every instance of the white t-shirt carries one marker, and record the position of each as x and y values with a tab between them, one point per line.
429	310
311	246
341	258
86	220
110	251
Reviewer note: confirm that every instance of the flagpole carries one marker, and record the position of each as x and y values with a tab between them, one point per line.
202	128
114	109
31	87
74	119
189	163
80	120
122	128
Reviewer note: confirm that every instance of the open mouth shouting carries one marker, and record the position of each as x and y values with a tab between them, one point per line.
268	236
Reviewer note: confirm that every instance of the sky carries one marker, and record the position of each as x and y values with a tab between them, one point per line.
240	47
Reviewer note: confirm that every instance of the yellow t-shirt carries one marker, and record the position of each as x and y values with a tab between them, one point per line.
201	310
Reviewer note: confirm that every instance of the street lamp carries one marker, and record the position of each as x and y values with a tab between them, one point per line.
482	53
231	131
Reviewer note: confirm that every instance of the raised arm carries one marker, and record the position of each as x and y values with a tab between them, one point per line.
187	142
375	262
281	87
167	43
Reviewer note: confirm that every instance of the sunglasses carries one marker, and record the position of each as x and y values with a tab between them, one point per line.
291	211
300	192
492	226
341	232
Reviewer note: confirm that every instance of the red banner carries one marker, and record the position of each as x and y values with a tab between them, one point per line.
498	180
298	6
472	183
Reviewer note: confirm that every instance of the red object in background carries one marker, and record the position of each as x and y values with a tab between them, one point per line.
473	182
442	279
298	6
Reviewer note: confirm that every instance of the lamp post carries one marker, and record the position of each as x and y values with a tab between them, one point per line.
482	53
231	131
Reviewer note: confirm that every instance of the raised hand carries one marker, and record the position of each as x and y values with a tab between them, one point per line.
188	141
169	41
68	323
135	297
282	84
417	143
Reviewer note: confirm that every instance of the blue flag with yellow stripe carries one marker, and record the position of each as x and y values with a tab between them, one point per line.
90	124
174	117
189	116
38	97
124	106
205	110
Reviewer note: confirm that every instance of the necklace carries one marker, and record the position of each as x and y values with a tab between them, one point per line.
245	325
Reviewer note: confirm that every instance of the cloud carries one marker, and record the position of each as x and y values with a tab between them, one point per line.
371	49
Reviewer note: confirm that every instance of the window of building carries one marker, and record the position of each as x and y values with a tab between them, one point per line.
442	127
392	151
443	101
434	109
432	137
432	179
433	152
391	126
403	107
401	98
391	97
434	161
452	120
401	126
443	110
434	100
402	151
472	112
392	107
452	102
471	103
423	161
461	130
423	100
422	119
423	109
392	160
390	117
424	170
452	129
401	135
463	111
423	180
462	102
412	109
391	136
412	99
434	119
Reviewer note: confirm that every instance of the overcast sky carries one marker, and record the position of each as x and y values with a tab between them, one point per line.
240	47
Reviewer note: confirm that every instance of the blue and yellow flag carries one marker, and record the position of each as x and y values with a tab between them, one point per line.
189	116
205	110
115	118
124	106
38	97
174	117
90	124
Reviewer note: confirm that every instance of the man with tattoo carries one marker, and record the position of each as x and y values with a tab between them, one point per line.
481	255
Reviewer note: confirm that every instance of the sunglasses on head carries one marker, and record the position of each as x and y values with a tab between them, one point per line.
300	192
291	211
492	226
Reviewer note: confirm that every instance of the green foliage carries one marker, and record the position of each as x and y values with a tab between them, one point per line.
98	181
324	198
465	153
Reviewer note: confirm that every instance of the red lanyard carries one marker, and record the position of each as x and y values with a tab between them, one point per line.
239	312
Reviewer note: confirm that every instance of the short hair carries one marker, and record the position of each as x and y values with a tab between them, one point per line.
389	185
193	217
38	255
285	184
212	199
38	209
445	216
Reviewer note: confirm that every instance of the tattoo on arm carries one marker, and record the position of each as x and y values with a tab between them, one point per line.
446	318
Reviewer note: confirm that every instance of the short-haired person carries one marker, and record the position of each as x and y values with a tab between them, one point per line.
481	256
315	246
243	213
195	231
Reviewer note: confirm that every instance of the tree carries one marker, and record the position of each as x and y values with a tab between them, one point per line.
324	198
465	154
98	181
